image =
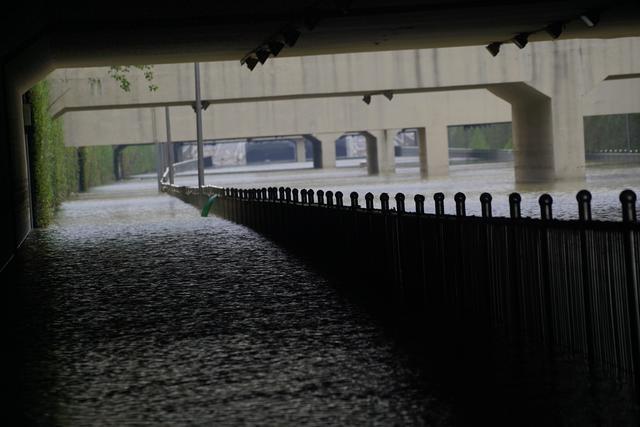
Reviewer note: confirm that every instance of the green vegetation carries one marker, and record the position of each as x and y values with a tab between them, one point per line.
490	136
612	132
608	132
56	169
138	159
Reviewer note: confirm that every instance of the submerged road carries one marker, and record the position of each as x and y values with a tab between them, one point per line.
135	309
132	309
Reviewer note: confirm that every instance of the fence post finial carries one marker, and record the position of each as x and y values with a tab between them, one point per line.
628	199
329	195
368	199
460	207
438	198
584	205
485	202
354	199
399	202
419	199
384	202
546	201
339	199
514	206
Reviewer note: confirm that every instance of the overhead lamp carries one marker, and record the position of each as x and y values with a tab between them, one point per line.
388	95
521	40
366	99
494	48
590	18
290	36
262	55
555	29
251	62
275	47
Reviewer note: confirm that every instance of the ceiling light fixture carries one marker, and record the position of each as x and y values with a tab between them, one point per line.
590	18
521	40
262	54
366	99
290	36
388	95
494	48
555	29
251	62
275	47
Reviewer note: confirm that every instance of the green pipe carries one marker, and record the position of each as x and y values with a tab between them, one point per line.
207	206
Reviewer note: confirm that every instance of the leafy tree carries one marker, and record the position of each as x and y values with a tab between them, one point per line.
120	73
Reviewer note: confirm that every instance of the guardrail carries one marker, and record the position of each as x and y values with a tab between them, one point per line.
571	287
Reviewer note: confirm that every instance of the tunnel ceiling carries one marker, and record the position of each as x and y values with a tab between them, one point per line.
108	33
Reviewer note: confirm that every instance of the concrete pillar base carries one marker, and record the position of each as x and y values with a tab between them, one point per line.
548	133
381	159
433	150
301	151
324	149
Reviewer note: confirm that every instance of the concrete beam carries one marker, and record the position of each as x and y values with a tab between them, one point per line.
281	118
352	74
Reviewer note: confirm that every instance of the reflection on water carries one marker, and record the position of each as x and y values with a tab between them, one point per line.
133	309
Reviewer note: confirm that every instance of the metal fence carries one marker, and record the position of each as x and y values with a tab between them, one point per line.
569	287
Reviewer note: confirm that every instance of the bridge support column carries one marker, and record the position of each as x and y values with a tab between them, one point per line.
301	150
381	157
548	132
324	149
433	150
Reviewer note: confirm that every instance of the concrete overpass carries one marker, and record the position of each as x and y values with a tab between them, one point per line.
546	86
327	118
62	35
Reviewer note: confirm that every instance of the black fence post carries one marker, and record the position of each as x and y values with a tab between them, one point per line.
628	200
320	194
368	200
281	192
419	199
287	195
339	199
438	198
584	211
485	202
460	207
546	201
329	195
514	206
294	193
584	205
384	202
399	203
310	197
354	200
303	196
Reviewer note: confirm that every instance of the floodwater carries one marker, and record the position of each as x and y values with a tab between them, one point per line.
605	182
132	309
